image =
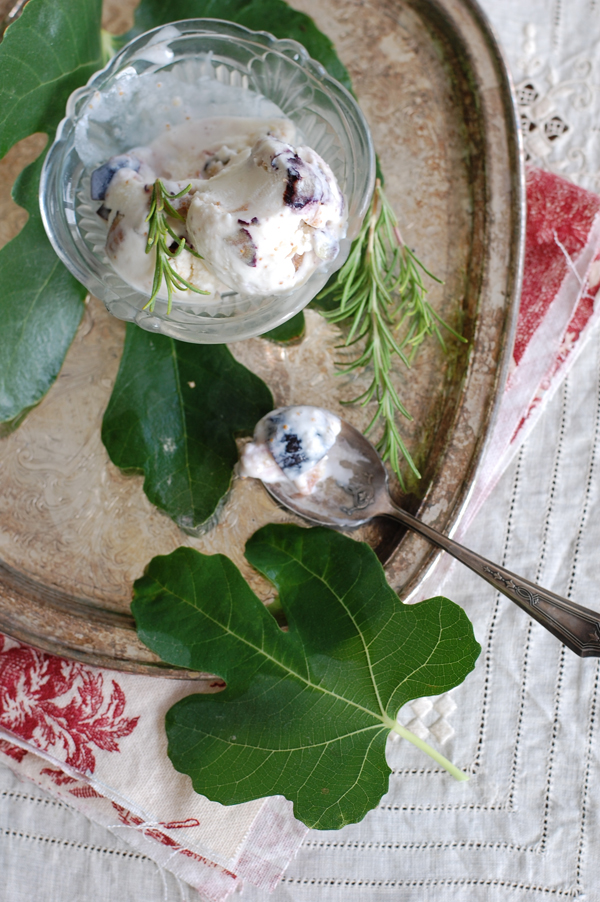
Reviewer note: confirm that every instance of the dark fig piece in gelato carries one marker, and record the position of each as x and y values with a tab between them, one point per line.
102	177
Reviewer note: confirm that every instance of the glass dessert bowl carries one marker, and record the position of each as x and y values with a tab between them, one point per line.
191	75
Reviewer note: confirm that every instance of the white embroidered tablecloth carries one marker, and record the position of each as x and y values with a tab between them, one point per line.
525	723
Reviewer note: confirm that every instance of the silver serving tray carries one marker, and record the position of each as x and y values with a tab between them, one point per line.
76	532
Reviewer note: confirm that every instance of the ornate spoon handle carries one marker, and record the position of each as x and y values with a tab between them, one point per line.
577	627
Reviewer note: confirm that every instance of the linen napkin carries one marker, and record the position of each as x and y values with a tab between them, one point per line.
95	738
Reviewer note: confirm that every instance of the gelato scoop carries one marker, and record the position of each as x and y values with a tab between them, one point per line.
291	443
262	213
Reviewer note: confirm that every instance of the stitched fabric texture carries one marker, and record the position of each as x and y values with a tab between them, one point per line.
525	723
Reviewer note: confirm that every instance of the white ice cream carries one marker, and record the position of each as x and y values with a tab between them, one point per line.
291	443
262	213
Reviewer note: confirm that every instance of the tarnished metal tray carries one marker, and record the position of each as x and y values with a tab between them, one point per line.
75	532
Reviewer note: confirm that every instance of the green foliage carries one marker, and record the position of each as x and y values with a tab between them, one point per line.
173	415
380	295
306	713
41	305
47	53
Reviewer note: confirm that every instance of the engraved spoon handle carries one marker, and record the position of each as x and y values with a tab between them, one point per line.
577	627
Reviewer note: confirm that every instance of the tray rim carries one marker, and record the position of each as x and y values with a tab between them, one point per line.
515	271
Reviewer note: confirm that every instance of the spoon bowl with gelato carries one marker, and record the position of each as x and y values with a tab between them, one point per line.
208	181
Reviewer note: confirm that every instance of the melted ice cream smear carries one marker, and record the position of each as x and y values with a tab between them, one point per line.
263	213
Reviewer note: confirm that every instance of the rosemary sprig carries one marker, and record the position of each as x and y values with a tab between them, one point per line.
380	292
159	233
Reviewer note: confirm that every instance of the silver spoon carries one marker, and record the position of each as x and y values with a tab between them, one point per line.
356	490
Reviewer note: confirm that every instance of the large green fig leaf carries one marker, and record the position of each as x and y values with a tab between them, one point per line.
173	415
47	53
305	713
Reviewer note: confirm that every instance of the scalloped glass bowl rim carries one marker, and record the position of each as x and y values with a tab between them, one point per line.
57	194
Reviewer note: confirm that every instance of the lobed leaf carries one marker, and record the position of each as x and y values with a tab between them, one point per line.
173	415
305	713
41	305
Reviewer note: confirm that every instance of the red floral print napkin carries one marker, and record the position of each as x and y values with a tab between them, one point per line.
95	738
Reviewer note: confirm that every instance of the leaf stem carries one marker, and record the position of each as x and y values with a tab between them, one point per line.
454	771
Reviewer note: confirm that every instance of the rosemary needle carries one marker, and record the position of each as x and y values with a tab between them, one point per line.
161	237
379	292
